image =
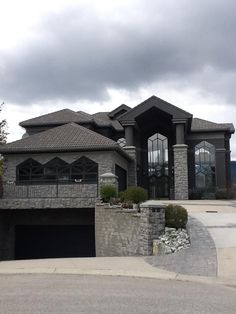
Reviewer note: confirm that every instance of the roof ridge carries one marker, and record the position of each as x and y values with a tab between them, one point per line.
84	113
62	116
155	97
47	114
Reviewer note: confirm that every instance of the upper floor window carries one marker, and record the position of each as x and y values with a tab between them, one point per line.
83	170
29	170
57	169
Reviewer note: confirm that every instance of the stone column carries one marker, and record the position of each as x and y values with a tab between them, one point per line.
132	168
129	132
220	168
181	171
180	134
227	161
152	225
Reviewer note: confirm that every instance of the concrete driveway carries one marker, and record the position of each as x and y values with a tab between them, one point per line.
220	219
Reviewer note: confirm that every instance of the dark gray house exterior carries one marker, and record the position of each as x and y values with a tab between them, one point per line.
52	175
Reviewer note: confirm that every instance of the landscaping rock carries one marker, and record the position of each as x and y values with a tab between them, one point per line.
171	241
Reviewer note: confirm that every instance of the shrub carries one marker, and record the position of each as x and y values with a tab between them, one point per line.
121	196
136	194
107	192
176	216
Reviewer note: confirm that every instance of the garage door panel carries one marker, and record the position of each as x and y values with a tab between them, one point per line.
54	241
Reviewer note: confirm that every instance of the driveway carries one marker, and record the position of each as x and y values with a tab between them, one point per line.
220	219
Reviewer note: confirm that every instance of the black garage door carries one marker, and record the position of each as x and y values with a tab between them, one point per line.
54	241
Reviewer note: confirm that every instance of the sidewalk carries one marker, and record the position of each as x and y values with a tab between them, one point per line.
106	266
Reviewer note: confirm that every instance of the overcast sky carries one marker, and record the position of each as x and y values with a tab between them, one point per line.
95	55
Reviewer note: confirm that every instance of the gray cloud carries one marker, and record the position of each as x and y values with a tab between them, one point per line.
77	54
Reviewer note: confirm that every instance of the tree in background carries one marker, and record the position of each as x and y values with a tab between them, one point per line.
3	127
3	137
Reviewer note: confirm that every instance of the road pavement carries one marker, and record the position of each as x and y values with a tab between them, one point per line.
23	294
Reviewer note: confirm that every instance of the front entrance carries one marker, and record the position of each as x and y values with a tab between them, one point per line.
158	166
54	241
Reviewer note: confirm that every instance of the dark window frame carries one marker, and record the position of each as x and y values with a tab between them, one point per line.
205	165
81	171
30	170
84	168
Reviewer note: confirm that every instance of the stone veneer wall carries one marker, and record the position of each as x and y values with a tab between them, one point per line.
50	190
181	171
121	232
85	194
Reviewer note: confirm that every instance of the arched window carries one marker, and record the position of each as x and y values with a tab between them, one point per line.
84	170
204	166
29	170
56	170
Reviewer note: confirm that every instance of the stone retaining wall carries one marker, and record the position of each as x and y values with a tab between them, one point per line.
122	232
50	191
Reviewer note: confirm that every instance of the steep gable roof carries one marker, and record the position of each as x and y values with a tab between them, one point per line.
158	103
57	118
205	125
68	137
119	111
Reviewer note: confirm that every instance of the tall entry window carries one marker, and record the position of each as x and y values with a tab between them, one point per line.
205	166
158	170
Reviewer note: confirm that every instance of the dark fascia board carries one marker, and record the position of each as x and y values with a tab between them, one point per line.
160	104
216	130
60	150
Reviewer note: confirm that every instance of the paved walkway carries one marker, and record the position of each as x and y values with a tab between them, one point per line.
198	260
219	218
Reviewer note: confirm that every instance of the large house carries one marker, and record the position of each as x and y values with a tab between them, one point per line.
52	175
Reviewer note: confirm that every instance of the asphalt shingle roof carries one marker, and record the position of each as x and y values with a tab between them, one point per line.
57	118
68	137
101	119
104	117
204	125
